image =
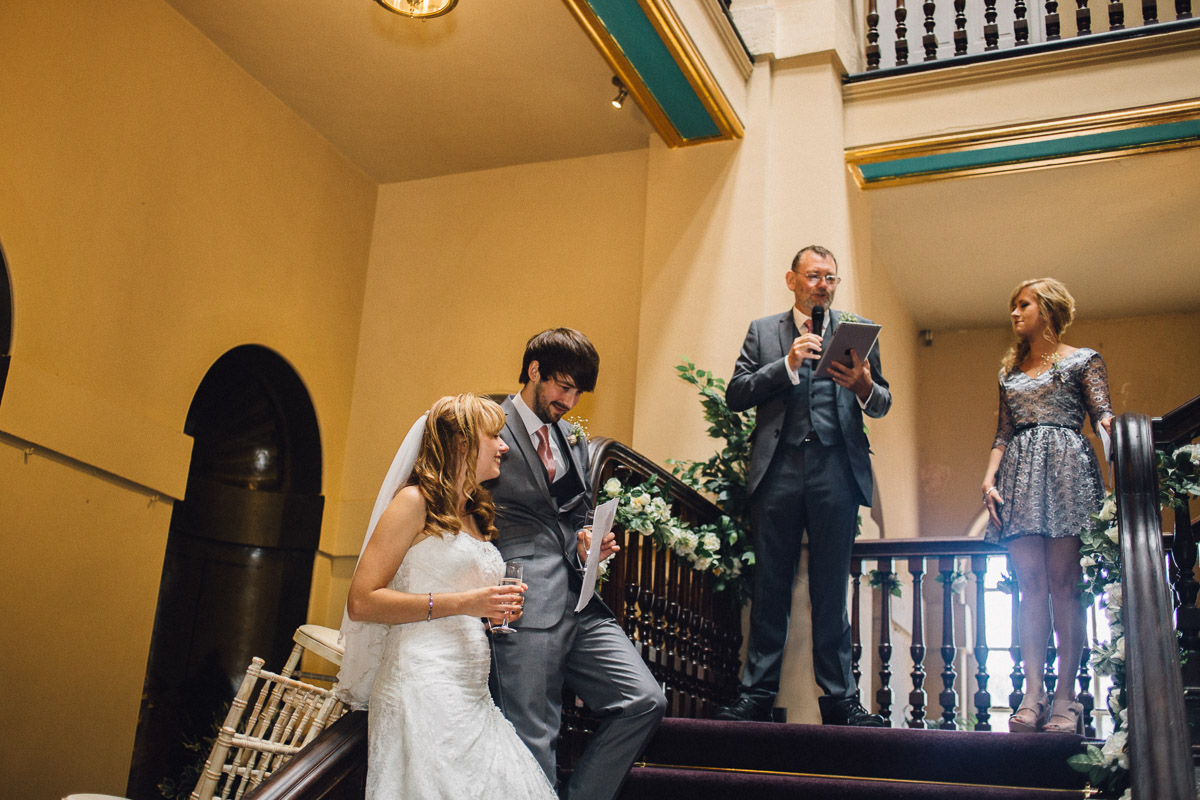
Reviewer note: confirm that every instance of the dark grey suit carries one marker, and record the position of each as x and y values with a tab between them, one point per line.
587	651
810	470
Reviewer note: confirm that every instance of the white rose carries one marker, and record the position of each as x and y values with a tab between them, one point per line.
1119	650
1114	594
712	542
1087	561
703	564
1114	750
645	527
640	501
688	541
1108	510
1114	534
612	487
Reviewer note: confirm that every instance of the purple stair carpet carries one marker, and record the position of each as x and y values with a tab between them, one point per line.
701	759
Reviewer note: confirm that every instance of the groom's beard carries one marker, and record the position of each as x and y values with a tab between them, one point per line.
547	411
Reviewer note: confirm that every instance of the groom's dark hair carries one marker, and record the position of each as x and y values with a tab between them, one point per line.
562	351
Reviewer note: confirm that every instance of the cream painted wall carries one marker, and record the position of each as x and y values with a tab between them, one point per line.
456	290
723	223
159	208
1153	366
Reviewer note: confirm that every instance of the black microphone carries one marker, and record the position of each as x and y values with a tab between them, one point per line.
818	326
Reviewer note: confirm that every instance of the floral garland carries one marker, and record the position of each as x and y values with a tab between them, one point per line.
1107	766
722	548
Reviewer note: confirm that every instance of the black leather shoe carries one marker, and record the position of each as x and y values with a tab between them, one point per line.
848	711
746	709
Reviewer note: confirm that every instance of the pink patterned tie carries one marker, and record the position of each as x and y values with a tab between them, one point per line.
543	451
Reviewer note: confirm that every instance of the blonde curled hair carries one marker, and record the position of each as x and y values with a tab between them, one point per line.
452	432
1055	305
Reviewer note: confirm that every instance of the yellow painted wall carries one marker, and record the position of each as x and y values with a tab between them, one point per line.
159	208
457	288
1153	366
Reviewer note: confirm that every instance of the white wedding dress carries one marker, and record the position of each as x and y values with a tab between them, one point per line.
433	730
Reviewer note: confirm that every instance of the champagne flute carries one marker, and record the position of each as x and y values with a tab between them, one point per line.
512	577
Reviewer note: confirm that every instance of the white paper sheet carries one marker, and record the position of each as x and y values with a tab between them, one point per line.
602	522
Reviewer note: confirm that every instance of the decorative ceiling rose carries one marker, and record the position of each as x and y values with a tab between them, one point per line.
422	9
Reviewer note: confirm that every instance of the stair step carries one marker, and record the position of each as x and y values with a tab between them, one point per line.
895	754
658	783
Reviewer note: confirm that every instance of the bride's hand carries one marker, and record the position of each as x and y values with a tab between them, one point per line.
493	602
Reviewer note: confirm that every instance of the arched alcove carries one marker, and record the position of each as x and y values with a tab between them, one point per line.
6	321
238	566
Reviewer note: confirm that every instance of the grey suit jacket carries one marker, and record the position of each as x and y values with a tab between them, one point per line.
760	379
534	527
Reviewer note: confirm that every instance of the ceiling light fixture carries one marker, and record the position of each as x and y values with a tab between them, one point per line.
419	9
622	93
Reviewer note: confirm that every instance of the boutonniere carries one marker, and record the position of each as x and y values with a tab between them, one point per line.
845	316
578	431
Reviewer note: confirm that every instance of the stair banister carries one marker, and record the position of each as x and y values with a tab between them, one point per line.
1159	752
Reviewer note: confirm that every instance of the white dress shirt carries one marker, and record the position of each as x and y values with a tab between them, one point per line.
533	424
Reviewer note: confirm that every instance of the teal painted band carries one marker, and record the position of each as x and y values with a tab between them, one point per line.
635	35
1112	141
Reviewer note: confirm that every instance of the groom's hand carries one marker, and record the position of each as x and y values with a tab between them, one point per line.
607	547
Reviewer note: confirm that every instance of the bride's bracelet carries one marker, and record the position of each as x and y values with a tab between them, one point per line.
429	616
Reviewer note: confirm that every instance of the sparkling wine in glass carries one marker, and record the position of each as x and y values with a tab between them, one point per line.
512	577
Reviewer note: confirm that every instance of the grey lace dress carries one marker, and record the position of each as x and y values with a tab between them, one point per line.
1049	477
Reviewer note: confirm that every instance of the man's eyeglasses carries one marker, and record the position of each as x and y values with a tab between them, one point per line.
830	280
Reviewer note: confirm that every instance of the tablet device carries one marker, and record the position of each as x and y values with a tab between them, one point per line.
847	336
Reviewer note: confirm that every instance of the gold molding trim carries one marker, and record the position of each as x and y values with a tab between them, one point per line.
694	69
1103	122
693	66
1021	166
733	43
1085	55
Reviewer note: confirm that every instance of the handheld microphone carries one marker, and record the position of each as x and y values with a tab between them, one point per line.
818	326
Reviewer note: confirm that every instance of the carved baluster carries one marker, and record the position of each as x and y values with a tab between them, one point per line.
645	596
1116	15
1083	18
1018	673
983	698
929	40
1150	12
1051	661
659	633
872	50
674	675
947	697
1020	24
883	695
901	34
991	31
1085	697
960	28
855	625
1183	9
1187	616
632	590
916	698
1053	24
697	648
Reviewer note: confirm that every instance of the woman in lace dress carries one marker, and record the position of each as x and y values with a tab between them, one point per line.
416	648
1041	483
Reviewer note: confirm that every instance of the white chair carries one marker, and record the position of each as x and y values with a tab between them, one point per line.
315	639
286	715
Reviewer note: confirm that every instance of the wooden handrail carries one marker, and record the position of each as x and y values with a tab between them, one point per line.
1178	426
333	765
1159	751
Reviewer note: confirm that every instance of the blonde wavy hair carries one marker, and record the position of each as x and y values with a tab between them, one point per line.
452	432
1055	305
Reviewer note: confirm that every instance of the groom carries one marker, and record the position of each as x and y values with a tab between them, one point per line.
542	496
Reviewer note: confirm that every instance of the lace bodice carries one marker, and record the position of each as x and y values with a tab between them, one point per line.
1060	396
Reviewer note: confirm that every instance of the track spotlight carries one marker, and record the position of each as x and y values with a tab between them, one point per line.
622	92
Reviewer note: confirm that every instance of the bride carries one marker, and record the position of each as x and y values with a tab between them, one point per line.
416	648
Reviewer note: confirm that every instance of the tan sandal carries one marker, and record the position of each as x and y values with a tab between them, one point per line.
1020	722
1072	716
